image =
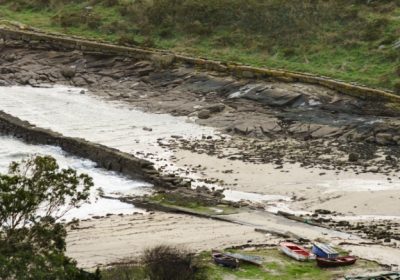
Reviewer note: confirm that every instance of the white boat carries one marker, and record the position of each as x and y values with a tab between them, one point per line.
295	251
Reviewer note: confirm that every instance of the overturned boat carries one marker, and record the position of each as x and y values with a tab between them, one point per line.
324	251
224	260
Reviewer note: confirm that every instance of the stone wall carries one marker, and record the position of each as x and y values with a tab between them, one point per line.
108	158
61	42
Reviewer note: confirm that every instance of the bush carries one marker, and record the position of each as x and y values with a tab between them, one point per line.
166	263
127	40
397	71
397	87
68	19
34	195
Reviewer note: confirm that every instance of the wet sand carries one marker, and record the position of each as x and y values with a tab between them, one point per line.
346	192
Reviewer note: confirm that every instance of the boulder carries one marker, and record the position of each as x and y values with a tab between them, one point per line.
274	97
68	72
216	108
384	138
79	82
353	157
204	114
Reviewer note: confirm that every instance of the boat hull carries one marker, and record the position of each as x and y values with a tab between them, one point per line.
324	251
336	262
296	252
224	260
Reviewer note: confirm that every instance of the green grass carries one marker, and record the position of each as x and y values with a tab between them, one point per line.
276	266
125	272
338	52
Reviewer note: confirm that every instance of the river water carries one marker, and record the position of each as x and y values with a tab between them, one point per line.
114	124
111	183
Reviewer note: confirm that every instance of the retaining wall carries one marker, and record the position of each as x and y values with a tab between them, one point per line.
62	42
108	158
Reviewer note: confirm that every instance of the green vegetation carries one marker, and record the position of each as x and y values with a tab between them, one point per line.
276	266
191	204
160	263
34	195
352	40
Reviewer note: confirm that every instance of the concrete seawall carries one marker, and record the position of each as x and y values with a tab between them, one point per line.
35	38
108	158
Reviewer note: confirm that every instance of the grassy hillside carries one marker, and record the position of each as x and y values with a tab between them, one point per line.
352	40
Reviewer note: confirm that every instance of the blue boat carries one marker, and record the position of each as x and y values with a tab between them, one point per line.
324	251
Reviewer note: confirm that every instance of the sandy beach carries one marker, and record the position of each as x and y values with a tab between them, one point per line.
344	192
118	239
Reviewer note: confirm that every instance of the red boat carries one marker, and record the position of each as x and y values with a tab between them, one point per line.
295	251
335	262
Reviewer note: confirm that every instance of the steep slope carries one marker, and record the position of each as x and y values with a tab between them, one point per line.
357	41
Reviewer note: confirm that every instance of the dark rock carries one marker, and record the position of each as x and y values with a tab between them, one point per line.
145	71
275	98
79	82
322	212
10	57
343	223
216	108
353	157
204	114
68	72
384	139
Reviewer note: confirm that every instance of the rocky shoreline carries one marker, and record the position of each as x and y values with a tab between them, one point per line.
319	121
263	122
269	121
107	158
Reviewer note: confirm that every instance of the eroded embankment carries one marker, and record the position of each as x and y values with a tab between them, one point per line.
38	39
106	157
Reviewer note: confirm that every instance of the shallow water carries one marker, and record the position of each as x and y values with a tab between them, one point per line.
110	182
114	124
111	123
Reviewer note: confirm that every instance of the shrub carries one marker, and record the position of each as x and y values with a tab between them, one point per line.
93	21
34	195
127	40
166	263
68	19
397	71
397	87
